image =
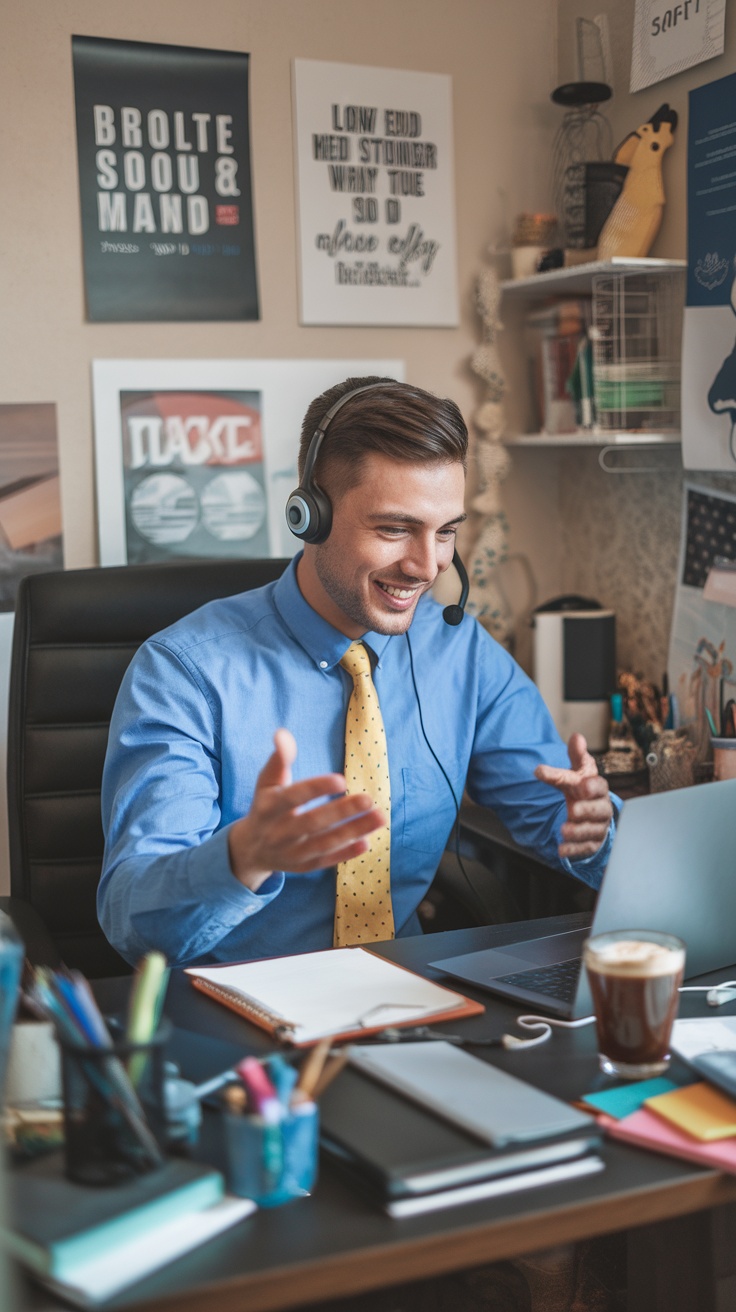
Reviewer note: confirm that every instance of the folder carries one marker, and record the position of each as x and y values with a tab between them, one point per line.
340	993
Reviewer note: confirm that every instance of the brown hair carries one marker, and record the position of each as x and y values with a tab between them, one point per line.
394	419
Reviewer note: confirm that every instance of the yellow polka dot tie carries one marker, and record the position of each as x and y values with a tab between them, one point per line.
363	912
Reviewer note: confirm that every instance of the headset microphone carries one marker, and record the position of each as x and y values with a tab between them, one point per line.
454	614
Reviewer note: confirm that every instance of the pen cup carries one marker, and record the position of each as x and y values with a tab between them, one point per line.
272	1163
114	1120
724	758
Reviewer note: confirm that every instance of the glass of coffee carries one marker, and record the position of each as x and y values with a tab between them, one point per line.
634	980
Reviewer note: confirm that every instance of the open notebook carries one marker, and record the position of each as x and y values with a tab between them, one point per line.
340	993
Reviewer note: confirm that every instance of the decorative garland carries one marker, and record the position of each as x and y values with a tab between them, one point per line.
485	600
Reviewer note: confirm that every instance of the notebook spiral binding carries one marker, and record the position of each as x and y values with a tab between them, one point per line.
248	1007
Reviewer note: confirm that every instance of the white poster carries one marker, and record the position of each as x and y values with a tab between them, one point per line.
196	458
669	38
376	195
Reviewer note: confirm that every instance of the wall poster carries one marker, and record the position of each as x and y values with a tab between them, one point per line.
376	195
709	327
164	180
702	656
30	504
196	458
668	38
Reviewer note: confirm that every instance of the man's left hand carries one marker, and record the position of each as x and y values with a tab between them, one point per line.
589	808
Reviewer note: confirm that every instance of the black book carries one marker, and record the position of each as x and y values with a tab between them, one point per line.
408	1160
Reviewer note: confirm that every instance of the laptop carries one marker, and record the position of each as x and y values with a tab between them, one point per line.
672	867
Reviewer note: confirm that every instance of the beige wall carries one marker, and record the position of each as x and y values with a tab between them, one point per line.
501	59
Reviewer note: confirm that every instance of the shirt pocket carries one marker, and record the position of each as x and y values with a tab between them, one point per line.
428	808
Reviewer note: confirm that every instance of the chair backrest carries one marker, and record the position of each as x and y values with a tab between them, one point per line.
75	634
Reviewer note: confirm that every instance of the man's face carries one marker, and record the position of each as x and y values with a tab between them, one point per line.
392	534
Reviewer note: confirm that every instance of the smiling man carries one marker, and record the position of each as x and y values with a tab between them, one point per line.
284	766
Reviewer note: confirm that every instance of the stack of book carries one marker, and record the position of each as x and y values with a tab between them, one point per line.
88	1244
473	1132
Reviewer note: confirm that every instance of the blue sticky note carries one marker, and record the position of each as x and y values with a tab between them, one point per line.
628	1098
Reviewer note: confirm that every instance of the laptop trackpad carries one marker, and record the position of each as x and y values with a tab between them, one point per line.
489	963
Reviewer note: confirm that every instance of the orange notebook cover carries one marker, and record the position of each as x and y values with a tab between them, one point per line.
343	993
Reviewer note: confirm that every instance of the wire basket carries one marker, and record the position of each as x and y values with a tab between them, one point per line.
636	335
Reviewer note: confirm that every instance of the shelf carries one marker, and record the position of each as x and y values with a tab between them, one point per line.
578	277
593	439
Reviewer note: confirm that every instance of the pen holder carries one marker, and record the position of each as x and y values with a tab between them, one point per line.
272	1163
724	758
114	1121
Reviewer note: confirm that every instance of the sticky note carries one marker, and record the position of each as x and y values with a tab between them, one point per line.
628	1098
700	1110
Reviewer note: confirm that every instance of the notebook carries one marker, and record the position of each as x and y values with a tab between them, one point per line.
339	993
407	1160
670	869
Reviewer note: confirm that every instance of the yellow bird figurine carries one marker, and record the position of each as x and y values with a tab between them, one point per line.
633	223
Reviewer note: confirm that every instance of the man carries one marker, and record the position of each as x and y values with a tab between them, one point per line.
224	799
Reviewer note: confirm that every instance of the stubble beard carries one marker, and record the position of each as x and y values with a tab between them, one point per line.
353	606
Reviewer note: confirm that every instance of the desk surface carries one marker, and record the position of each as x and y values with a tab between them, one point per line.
334	1244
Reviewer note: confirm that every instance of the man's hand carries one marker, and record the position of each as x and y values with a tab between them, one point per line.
276	835
589	808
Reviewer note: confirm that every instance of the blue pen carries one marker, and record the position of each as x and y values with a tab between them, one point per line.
283	1077
67	993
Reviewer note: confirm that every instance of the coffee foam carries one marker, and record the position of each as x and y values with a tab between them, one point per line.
635	957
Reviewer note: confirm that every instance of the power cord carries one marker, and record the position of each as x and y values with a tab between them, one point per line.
716	995
543	1023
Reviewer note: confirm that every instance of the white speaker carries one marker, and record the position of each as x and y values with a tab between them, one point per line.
575	665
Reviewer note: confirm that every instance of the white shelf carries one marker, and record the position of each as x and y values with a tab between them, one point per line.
593	439
578	277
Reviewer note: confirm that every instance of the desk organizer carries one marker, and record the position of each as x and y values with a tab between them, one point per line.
271	1163
114	1121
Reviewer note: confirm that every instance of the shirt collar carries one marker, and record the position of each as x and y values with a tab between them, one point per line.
324	644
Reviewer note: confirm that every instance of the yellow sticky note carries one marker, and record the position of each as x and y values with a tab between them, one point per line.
699	1109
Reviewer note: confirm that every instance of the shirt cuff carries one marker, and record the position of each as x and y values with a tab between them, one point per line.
220	886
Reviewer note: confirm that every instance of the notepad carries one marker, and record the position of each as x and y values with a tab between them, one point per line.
699	1110
340	993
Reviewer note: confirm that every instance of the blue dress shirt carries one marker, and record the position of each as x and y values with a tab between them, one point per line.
193	726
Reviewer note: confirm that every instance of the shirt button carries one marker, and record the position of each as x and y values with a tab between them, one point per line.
323	665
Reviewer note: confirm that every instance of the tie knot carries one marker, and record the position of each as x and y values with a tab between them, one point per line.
356	660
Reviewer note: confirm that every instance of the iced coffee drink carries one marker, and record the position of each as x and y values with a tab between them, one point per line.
634	980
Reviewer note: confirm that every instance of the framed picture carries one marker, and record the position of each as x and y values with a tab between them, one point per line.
196	458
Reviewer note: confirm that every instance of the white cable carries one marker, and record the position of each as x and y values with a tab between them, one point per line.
715	994
544	1023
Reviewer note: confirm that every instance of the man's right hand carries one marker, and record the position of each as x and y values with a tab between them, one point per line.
277	835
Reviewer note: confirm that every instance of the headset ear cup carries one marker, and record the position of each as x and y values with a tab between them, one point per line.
309	514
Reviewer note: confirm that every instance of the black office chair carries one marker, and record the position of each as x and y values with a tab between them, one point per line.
75	633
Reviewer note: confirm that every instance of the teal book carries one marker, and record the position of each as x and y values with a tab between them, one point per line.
55	1226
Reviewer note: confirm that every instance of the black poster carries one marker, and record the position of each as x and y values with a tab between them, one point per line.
164	180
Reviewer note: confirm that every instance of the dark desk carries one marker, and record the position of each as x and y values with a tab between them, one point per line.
333	1245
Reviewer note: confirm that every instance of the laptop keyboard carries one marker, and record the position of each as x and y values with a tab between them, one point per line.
559	981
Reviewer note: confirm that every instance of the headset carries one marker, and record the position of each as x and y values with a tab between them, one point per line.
309	512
